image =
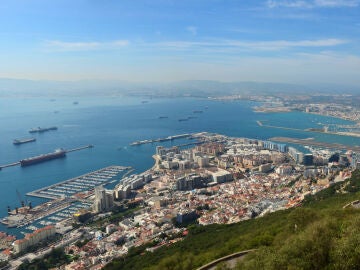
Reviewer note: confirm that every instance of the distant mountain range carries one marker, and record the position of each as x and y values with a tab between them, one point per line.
195	88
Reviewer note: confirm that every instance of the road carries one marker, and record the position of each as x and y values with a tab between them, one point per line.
230	260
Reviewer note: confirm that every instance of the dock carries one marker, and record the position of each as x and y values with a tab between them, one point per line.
261	124
67	151
65	199
127	173
82	183
9	165
169	138
79	148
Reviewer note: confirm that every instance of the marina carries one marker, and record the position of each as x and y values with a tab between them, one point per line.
83	183
191	143
46	214
64	202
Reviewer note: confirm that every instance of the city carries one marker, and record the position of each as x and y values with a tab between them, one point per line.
179	135
221	180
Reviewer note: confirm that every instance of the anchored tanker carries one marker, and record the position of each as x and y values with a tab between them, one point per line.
40	130
21	141
59	153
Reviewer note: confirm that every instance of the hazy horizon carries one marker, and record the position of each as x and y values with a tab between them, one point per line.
186	88
298	42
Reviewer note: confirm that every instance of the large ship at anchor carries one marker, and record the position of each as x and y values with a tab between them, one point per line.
40	129
58	153
21	141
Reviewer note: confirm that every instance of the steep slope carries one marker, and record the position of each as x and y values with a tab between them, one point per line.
320	234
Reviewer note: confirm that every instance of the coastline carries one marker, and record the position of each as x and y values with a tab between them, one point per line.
77	121
270	110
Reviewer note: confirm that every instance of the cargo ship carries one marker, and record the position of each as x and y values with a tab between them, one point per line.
40	130
21	141
59	153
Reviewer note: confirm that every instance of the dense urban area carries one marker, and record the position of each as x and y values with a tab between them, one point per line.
344	106
180	135
219	180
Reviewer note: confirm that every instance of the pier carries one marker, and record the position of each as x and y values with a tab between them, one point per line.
127	173
9	165
66	151
82	183
169	138
261	124
79	148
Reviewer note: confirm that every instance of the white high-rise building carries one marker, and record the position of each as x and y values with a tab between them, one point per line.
104	199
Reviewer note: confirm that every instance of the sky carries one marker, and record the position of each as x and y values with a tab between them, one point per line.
300	41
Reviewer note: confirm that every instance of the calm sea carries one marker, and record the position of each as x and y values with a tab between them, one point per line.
111	124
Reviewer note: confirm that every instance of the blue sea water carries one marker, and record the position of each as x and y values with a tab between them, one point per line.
112	123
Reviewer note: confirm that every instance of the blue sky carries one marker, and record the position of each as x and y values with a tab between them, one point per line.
300	41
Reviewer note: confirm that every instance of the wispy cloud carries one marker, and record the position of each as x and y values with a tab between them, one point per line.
57	45
312	4
192	30
288	4
251	45
337	3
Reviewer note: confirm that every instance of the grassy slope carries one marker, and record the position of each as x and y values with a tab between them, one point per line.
318	235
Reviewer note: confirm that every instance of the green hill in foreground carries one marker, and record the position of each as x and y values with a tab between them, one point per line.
320	234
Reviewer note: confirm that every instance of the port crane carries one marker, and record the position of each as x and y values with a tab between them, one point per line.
20	198
22	202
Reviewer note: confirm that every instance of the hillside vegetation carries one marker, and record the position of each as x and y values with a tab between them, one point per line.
320	234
